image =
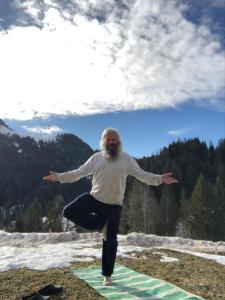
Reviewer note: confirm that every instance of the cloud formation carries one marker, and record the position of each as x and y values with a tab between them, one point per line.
180	131
99	56
45	130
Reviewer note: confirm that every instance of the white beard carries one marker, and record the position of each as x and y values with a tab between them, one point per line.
110	156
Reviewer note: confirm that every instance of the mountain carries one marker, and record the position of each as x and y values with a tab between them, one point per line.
193	208
23	163
4	129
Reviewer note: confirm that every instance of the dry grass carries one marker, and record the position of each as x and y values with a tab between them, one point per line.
197	275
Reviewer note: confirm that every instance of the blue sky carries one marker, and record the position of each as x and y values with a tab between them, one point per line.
155	70
143	132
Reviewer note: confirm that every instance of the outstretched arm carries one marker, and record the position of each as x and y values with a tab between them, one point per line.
74	175
147	177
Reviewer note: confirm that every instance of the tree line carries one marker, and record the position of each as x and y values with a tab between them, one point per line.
192	208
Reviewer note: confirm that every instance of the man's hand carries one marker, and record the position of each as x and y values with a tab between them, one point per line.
52	177
167	179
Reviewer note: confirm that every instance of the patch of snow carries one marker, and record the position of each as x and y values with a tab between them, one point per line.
44	256
165	257
168	259
44	219
218	258
150	240
41	251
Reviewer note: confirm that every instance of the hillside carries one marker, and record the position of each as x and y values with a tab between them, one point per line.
4	128
193	208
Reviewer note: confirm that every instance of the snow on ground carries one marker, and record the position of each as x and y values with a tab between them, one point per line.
165	257
41	251
218	258
45	256
169	259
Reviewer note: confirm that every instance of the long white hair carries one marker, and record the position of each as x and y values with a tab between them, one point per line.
105	132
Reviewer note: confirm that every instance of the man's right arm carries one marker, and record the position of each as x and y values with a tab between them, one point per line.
74	175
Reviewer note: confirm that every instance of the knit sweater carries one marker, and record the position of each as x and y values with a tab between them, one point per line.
109	177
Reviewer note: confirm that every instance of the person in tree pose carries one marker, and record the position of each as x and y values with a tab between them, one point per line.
101	208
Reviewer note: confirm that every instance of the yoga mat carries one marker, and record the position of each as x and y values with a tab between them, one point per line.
129	284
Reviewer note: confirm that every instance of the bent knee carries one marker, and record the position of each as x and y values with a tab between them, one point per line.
66	212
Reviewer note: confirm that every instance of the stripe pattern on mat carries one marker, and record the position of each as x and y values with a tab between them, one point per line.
129	284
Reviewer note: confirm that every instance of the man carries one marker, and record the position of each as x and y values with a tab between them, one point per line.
101	209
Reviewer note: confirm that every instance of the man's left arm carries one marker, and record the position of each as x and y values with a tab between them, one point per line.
149	178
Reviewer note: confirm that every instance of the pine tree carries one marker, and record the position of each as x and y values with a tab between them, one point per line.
135	217
200	209
20	226
168	211
55	213
33	216
217	222
124	223
182	226
150	209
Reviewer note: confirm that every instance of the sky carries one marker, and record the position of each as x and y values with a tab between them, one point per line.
153	69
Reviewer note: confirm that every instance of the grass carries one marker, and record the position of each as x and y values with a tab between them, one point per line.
197	275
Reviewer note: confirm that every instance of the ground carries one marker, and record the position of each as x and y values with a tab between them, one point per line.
195	274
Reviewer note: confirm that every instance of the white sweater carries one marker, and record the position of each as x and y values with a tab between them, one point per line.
109	177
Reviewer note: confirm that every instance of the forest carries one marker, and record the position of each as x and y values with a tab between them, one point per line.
193	208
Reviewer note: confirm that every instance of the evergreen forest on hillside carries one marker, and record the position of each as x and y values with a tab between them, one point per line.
192	208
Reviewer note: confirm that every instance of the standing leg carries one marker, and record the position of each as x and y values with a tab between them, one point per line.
109	248
85	211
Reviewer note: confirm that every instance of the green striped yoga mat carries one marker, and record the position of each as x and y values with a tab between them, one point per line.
129	284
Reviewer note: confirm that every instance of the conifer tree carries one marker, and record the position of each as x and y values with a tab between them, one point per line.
200	209
55	213
182	226
33	216
217	222
168	211
20	226
135	213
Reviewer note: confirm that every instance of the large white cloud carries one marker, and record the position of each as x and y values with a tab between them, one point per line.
147	56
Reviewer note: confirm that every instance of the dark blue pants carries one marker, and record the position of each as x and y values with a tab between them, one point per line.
80	211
